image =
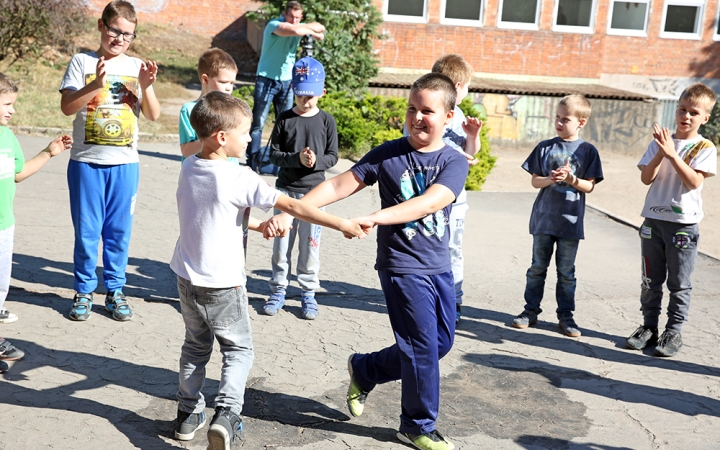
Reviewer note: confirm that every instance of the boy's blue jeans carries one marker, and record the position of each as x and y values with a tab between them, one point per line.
421	309
669	251
543	245
267	92
210	314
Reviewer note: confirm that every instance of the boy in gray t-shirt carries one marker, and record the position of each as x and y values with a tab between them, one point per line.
564	168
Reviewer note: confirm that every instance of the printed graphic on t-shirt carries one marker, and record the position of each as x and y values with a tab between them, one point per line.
413	183
556	159
7	164
110	115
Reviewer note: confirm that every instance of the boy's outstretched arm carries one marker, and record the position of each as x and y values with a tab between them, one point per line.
191	148
434	199
309	213
150	106
54	148
334	189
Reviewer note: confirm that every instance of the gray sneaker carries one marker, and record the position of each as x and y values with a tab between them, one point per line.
187	424
668	344
525	319
642	337
225	426
569	327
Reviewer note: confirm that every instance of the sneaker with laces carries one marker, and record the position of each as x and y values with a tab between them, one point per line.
525	319
309	306
116	304
82	307
225	426
7	317
668	344
642	337
188	424
356	395
428	441
458	311
275	303
569	327
9	352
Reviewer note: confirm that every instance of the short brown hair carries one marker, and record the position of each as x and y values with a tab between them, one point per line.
119	8
216	111
454	67
293	5
213	60
699	94
577	105
437	82
7	86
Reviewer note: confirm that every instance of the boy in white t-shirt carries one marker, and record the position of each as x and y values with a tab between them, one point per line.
675	167
212	197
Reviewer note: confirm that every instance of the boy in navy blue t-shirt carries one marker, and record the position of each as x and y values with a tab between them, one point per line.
564	168
419	178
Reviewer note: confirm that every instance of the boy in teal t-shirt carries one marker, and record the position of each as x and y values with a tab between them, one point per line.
14	169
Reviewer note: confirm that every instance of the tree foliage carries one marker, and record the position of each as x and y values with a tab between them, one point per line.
26	26
347	50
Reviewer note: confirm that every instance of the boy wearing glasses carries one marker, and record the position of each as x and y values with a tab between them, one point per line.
107	90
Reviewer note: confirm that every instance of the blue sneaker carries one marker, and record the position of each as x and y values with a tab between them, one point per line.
309	306
82	307
116	304
275	303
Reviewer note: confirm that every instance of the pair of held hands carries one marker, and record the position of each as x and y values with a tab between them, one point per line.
146	77
279	225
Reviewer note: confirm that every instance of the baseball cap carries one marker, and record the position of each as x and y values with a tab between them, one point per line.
308	77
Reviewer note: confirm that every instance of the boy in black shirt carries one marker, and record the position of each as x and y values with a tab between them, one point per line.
304	144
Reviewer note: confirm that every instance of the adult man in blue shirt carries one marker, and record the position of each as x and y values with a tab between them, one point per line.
274	73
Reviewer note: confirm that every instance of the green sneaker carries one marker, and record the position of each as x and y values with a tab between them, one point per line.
356	395
428	441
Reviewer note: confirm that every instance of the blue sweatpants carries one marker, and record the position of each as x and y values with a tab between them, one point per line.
422	315
102	204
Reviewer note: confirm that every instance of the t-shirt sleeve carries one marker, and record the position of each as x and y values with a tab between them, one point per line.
18	156
272	26
648	155
593	166
368	168
533	163
186	131
455	172
257	193
74	75
706	159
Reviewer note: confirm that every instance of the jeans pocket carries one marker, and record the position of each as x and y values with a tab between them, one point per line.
223	307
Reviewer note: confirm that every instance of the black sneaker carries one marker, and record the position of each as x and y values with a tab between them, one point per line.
525	319
668	344
569	327
224	427
9	352
428	441
188	424
642	337
458	312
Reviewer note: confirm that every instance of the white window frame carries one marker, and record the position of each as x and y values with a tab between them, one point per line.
716	35
405	19
519	25
623	32
698	26
590	29
462	22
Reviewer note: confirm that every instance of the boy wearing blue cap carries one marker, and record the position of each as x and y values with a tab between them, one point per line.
304	144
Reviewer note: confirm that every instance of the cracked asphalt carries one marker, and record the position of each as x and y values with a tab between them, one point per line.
104	384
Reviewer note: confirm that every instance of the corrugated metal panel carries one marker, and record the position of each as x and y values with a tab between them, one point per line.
668	113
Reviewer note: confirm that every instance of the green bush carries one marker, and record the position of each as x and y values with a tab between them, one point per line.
364	121
479	172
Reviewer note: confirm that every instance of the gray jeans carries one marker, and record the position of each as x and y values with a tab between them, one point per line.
214	313
669	251
308	262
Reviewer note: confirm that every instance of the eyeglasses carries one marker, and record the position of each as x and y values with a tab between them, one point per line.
115	33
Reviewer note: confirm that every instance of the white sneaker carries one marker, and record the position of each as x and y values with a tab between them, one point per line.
7	317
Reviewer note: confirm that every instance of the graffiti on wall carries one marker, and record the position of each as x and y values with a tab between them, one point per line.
143	6
617	125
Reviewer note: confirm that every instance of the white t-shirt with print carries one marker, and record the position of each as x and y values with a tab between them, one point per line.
212	196
105	131
668	198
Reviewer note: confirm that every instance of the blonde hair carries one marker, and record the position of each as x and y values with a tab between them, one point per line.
699	94
577	105
213	60
7	86
454	67
216	111
119	8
